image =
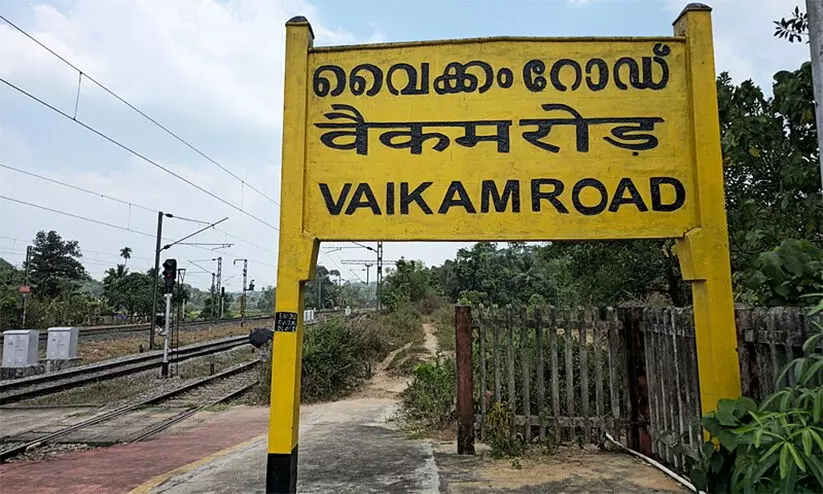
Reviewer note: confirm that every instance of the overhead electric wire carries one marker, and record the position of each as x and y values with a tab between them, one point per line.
81	189
140	112
132	151
123	201
103	223
244	240
77	216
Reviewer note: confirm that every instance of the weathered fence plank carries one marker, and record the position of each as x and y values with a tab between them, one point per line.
569	377
524	362
555	378
583	316
481	341
541	369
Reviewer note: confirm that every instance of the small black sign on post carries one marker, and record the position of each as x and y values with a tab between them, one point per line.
285	322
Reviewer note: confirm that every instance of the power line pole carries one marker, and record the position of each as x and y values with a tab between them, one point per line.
379	275
154	281
219	287
243	300
814	13
24	291
212	295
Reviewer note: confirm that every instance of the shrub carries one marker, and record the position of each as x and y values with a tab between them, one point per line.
429	401
336	359
392	329
443	320
499	427
774	446
784	275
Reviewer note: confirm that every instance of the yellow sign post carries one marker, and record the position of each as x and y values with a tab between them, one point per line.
501	139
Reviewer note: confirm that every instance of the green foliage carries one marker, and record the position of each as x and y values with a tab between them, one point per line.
773	446
336	359
499	427
430	400
266	301
409	282
795	28
443	320
393	329
784	275
770	161
54	266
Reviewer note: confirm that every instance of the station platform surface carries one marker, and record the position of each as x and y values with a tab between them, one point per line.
349	446
121	468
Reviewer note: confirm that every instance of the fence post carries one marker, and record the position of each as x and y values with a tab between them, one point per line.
638	437
465	390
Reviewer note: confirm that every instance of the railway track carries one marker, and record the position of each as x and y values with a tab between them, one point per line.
15	390
98	331
192	397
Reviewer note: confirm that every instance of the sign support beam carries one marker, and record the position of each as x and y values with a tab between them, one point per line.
704	251
296	263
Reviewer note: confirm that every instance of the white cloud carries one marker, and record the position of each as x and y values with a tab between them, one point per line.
196	57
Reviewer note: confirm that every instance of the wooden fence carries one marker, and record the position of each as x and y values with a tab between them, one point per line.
561	371
767	340
571	374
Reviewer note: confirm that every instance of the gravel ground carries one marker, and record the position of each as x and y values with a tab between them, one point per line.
134	387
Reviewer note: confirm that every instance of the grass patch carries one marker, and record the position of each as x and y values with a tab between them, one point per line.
406	360
429	403
94	350
393	329
442	318
145	383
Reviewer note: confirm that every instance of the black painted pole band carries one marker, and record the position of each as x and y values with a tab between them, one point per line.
281	472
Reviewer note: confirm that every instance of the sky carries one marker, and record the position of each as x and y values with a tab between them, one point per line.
212	72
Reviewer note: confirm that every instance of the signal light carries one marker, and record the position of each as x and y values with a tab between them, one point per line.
169	275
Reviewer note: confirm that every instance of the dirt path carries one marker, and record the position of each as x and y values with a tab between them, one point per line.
430	341
385	385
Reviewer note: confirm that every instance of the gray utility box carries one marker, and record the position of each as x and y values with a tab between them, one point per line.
20	348
62	343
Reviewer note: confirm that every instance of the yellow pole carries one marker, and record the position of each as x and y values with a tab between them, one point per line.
297	255
704	252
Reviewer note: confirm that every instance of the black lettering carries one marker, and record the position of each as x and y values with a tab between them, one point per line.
555	74
334	207
415	196
463	199
679	194
626	185
490	193
390	198
589	210
357	202
538	195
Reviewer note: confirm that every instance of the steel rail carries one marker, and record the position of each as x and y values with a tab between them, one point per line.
16	450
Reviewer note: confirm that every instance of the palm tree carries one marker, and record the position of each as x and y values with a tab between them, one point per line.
125	253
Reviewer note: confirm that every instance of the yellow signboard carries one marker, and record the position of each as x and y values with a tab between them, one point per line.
501	139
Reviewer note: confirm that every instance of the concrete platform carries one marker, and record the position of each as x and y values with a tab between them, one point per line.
349	446
345	446
121	468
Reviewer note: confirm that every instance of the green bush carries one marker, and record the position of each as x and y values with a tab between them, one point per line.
788	273
773	446
393	329
429	401
336	359
443	320
499	427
